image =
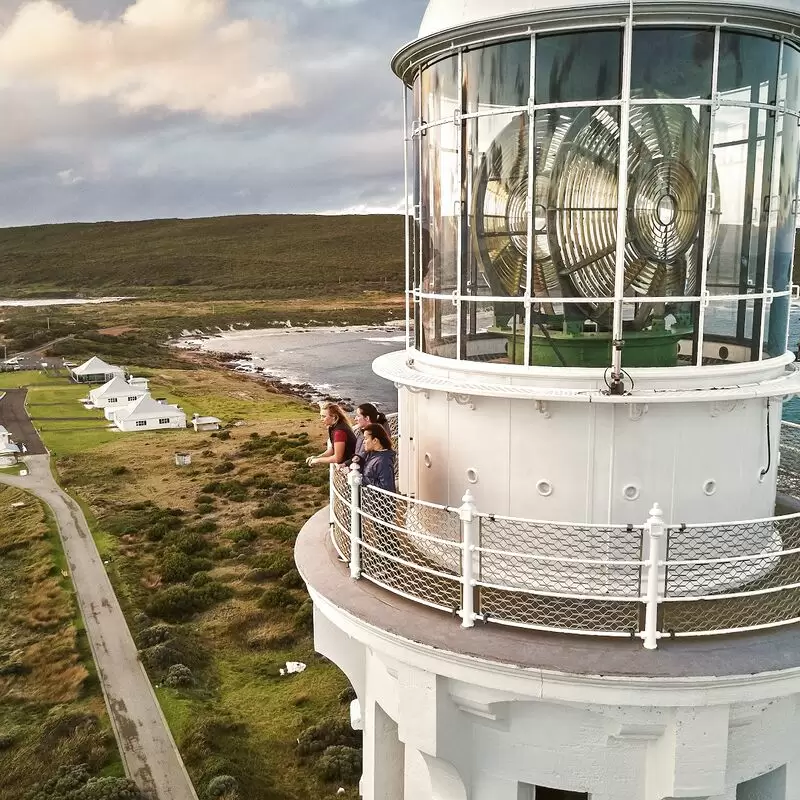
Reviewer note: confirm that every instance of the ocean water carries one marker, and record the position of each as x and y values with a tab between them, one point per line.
338	361
334	361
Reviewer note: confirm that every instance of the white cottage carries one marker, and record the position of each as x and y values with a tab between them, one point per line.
116	393
9	451
148	415
95	370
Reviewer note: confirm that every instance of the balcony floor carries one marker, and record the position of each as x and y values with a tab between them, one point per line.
743	654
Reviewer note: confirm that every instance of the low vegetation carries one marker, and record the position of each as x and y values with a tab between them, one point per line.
201	559
255	256
54	731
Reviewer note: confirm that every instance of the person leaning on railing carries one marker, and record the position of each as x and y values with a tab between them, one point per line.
366	414
378	469
341	439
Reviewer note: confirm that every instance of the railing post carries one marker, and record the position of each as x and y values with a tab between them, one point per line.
469	538
654	528
354	479
331	497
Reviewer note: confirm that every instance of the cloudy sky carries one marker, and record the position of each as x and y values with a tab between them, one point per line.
133	109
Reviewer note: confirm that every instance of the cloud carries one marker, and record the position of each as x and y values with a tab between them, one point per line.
176	55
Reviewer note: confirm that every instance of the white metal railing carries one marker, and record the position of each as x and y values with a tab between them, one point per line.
648	581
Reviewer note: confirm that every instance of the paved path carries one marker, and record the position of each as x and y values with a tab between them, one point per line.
148	751
14	416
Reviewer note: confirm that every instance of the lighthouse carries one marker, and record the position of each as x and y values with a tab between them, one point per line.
587	585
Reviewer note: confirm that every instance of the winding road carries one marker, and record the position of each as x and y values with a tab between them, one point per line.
148	751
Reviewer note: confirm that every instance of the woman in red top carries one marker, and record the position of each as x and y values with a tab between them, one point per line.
341	439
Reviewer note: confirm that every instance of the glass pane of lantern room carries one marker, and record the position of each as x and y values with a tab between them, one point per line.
574	67
786	205
728	332
740	144
667	171
496	185
494	331
672	62
497	77
576	163
439	218
441	94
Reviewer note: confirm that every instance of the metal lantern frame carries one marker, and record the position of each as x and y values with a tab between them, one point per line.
418	56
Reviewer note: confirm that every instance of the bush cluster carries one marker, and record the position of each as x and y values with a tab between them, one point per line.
273	508
328	732
340	763
179	675
76	783
179	602
274	565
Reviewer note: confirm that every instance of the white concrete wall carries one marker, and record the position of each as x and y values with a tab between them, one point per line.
461	737
589	455
175	421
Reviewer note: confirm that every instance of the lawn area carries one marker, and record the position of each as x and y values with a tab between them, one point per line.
51	707
201	560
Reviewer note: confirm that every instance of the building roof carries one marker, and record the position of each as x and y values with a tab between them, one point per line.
4	431
206	420
96	366
117	385
147	408
442	15
5	449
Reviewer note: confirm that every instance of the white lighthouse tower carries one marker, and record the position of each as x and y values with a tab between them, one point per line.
588	582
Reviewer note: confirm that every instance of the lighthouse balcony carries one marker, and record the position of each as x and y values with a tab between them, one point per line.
646	579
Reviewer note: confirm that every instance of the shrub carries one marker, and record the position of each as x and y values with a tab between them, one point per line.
172	603
292	580
346	696
295	454
204	508
211	488
199	579
274	565
327	733
242	534
160	657
176	566
340	763
304	617
189	542
278	597
179	675
275	508
282	531
206	526
119	470
221	786
224	466
7	740
203	498
155	634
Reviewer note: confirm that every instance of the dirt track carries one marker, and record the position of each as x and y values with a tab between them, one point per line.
148	751
14	416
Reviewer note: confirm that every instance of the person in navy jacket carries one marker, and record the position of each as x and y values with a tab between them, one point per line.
378	468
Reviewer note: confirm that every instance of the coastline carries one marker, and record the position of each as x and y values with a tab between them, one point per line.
302	361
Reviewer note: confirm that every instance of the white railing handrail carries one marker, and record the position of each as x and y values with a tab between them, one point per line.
579	588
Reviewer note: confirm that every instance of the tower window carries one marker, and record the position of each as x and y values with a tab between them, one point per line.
527	791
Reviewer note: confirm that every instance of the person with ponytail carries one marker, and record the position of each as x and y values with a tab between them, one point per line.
366	414
341	439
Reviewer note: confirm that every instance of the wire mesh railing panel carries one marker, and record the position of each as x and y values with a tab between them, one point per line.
555	557
731	614
341	513
789	465
394	425
405	549
560	613
726	559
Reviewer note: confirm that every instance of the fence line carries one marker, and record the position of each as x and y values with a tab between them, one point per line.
649	580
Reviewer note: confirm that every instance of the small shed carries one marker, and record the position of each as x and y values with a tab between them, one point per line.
95	370
205	423
183	459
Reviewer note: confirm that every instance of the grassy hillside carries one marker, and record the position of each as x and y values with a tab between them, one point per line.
264	256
